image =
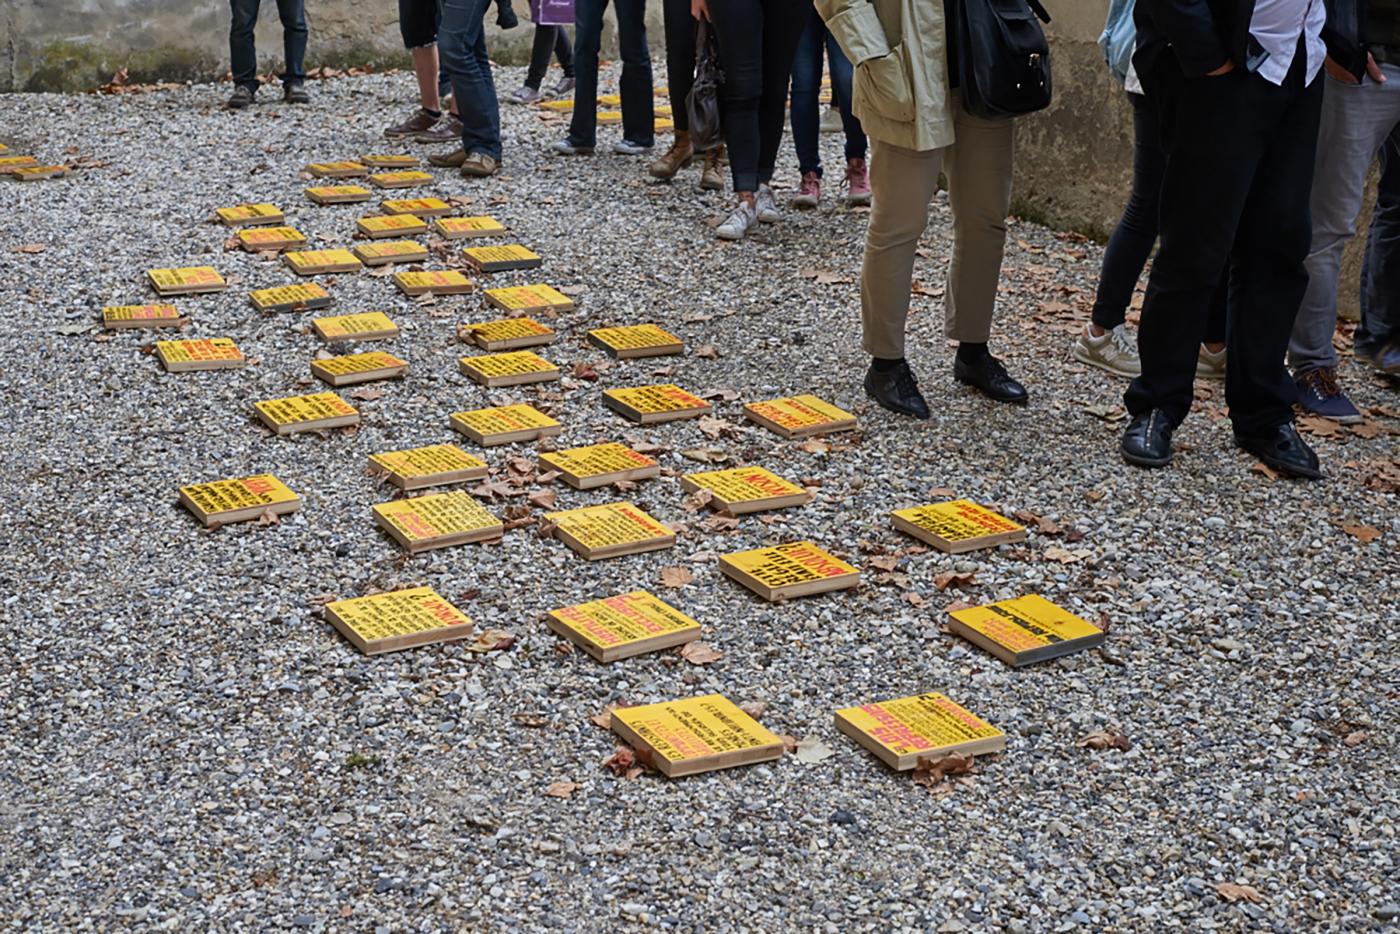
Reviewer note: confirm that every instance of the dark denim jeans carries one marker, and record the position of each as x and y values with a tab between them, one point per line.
638	108
243	54
462	47
806	88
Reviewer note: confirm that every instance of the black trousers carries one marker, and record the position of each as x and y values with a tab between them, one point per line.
549	40
757	42
680	58
1236	187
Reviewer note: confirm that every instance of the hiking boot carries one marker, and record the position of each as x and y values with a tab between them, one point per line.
742	220
447	130
809	193
421	121
448	160
1210	364
294	92
676	158
857	182
241	97
526	95
1112	350
479	165
766	205
1319	393
712	174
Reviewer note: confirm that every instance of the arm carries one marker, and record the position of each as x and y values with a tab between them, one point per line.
857	28
1193	33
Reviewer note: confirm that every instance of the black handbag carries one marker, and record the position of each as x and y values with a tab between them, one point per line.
1003	57
702	103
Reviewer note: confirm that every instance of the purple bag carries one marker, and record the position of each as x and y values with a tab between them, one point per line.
552	12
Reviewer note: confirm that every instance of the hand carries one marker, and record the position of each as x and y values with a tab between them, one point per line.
1224	69
700	9
1374	70
1338	72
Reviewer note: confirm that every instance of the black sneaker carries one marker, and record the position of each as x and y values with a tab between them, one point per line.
897	390
242	96
295	93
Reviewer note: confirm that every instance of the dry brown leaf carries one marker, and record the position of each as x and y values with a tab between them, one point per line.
367	394
698	653
268	518
1105	739
1265	469
491	640
883	562
1365	534
1355	738
698	500
1233	892
603	719
623	763
815	446
914	599
544	499
720	523
1319	426
561	789
586	371
676	577
532	720
1066	555
954	579
754	709
707	352
930	772
29	248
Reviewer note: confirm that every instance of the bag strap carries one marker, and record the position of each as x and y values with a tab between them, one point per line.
1039	10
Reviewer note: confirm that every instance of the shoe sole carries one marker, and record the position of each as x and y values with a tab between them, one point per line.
971	385
769	218
1339	419
914	415
1287	470
711	186
1083	356
804	204
1137	460
665	176
574	152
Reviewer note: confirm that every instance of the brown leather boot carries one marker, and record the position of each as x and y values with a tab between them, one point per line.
712	175
676	158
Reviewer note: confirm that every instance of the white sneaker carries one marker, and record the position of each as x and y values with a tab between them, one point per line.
567	148
628	148
831	120
1112	351
1210	365
740	222
766	205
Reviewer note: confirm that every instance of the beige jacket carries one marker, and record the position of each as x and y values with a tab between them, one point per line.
899	50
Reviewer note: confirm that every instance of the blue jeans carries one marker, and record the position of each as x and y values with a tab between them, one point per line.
243	53
638	107
1380	268
806	86
462	47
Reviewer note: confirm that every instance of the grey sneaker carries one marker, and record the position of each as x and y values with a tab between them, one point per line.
739	223
1112	351
568	148
448	130
240	98
526	95
479	165
294	92
564	86
628	148
767	206
1210	365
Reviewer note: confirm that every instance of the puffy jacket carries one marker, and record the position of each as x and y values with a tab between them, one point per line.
900	52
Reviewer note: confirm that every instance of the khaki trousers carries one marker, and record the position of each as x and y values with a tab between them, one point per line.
904	181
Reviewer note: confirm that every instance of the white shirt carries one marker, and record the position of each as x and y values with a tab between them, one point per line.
1277	25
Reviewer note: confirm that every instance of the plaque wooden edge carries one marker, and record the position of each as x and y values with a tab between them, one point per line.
955	548
246	514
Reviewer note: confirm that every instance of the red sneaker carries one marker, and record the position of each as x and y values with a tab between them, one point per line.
809	193
857	182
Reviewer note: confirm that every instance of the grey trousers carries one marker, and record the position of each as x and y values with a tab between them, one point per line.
1356	122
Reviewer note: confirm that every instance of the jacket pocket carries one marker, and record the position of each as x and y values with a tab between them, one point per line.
882	84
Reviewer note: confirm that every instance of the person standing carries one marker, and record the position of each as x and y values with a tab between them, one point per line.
550	17
1239	79
418	24
806	119
1377	337
462	45
680	72
638	105
905	94
1360	117
243	53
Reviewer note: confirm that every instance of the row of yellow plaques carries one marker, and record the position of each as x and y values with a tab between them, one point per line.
29	169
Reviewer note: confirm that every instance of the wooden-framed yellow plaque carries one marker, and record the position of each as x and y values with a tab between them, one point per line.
506	424
209	353
239	500
623	626
508	369
391	161
433	465
503	258
9	164
383	226
36	173
660	403
399	619
438	520
610	531
799	416
349	369
339	194
900	732
293	414
636	340
437	281
116	317
741	490
391	251
465	228
366	326
419	207
343	169
529	299
187	280
587	468
957	526
1025	630
300	296
400	179
274	239
317	262
508	334
696	734
250	215
793	569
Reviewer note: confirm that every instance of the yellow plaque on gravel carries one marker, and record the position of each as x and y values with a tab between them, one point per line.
355	368
239	500
508	334
957	526
391	251
301	296
439	520
563	106
793	569
1025	630
528	299
378	227
250	215
339	194
901	732
508	369
609	100
276	239
610	531
316	262
399	619
503	258
462	228
799	416
436	281
586	468
392	161
400	179
338	169
213	353
660	403
116	317
743	490
418	207
434	465
11	163
697	734
314	412
636	340
623	626
507	424
37	173
188	280
366	326
607	117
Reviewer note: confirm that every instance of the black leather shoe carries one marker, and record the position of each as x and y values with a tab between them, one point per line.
896	390
990	377
1284	451
1148	440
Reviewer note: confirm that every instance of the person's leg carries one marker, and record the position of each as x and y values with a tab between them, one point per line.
739	31
680	58
806	87
294	33
564	51
588	37
243	53
462	45
540	53
638	104
782	30
1131	243
1377	337
425	70
841	74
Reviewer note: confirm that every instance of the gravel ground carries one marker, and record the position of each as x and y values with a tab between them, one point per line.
187	745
